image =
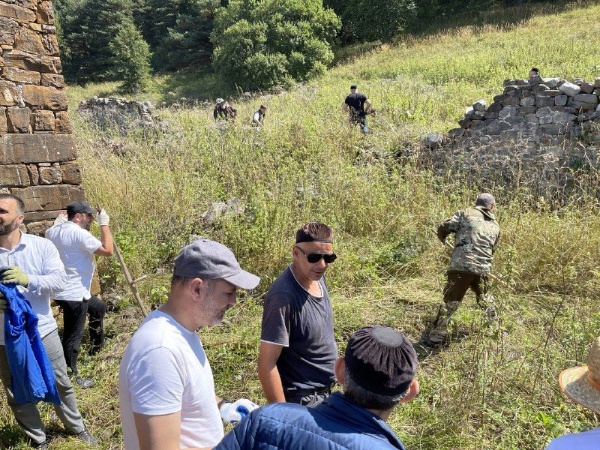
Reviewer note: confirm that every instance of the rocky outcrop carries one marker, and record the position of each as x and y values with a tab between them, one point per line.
37	150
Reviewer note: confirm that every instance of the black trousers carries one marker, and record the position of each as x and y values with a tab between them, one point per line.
74	314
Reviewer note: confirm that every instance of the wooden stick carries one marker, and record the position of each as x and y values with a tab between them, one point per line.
130	281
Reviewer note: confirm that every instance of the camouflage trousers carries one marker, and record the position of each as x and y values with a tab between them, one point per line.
456	287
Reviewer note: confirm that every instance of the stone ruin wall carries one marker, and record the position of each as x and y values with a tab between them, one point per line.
540	132
37	149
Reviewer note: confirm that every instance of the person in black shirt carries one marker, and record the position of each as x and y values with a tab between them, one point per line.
359	106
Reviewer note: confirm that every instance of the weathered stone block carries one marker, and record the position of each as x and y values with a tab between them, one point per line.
560	100
553	129
43	120
9	93
587	88
563	118
21	76
42	215
507	111
50	64
569	89
53	80
495	107
528	101
13	175
27	40
3	121
18	120
549	93
17	13
524	110
21	60
50	44
45	13
479	105
50	175
53	197
490	115
45	97
34	174
544	101
532	118
37	228
34	148
63	122
597	82
71	174
552	83
8	30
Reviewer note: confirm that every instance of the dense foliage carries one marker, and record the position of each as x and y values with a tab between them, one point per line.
251	43
273	42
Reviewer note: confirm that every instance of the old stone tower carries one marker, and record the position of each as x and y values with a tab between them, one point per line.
37	150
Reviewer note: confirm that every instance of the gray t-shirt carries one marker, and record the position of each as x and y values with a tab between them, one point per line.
303	325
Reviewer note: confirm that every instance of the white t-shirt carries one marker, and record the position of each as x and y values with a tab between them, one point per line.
76	247
164	370
588	440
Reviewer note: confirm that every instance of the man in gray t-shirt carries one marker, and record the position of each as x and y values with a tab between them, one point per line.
298	349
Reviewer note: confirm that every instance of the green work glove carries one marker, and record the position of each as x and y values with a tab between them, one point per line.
3	303
12	274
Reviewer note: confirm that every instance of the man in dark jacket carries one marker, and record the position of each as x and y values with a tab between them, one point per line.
476	235
377	373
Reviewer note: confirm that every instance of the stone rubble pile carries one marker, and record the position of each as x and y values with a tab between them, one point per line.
548	111
117	113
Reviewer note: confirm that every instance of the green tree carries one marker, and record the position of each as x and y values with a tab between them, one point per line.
368	20
87	28
131	58
260	44
178	31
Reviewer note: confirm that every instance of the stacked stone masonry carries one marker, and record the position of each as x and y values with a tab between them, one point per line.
548	111
542	134
37	149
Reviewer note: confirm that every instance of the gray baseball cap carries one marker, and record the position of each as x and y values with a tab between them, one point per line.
209	260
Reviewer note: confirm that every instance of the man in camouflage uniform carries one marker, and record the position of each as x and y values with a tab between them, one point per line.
476	236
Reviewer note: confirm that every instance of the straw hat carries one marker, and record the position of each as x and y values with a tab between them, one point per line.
582	384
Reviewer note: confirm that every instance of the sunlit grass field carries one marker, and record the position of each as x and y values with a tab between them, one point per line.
495	385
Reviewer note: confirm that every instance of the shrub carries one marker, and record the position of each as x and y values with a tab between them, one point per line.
131	55
263	44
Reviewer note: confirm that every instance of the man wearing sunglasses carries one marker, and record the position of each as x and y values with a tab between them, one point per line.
297	348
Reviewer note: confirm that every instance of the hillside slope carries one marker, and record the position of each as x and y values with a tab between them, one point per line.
495	385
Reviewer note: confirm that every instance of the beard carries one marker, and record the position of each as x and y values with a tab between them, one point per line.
7	228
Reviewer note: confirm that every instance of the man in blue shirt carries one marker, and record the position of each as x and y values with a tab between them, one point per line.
377	373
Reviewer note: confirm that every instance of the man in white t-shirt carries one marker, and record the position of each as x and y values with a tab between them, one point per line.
582	385
166	388
77	247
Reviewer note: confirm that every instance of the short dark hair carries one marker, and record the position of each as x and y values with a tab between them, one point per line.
314	231
535	69
367	399
20	203
486	200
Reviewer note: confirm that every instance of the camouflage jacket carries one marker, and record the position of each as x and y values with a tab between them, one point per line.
476	235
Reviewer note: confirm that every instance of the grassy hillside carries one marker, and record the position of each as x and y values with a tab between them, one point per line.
495	385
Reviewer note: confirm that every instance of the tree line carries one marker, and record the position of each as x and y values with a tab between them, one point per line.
253	44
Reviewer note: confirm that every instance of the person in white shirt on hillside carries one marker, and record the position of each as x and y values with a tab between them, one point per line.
77	247
166	388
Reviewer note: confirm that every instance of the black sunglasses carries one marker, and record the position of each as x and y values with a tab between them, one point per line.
316	257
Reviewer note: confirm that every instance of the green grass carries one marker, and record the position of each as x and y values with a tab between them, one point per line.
492	387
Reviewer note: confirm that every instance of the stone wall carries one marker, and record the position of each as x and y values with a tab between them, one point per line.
37	149
542	133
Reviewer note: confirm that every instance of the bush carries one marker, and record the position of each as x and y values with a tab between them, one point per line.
131	56
262	44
